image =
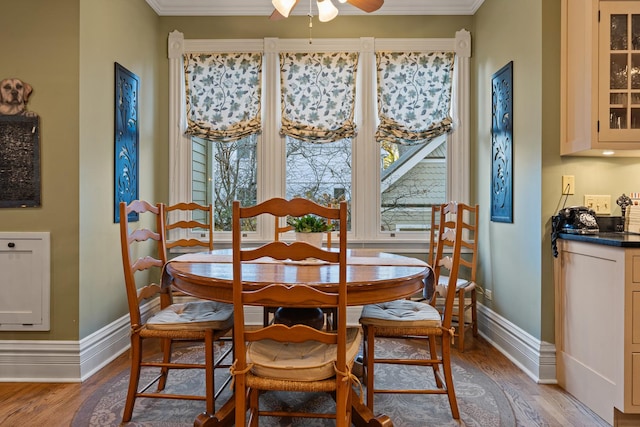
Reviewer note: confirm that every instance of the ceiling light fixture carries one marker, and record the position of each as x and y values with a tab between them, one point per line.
326	10
284	7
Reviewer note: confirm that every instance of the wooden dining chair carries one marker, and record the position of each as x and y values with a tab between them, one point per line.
183	222
295	358
143	260
267	312
188	226
419	319
465	314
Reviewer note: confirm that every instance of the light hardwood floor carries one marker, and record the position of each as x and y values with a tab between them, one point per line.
534	405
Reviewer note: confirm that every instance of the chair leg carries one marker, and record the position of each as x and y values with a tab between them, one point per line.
461	320
368	357
331	319
342	399
134	378
474	313
209	381
254	408
240	401
448	377
167	345
433	354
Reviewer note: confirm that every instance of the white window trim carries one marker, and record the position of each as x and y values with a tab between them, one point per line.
366	230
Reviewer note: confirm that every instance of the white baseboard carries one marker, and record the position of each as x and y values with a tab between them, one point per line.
65	361
536	358
75	361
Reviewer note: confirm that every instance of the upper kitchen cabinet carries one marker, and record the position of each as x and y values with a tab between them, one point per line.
600	80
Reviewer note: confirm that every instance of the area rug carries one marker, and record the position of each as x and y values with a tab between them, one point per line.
481	402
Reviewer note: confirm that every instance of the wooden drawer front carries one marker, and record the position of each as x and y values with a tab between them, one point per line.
636	269
635	377
635	317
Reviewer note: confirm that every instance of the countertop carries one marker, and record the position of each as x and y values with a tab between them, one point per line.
621	239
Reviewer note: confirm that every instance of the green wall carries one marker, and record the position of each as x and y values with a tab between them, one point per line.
126	32
510	256
71	46
40	42
66	50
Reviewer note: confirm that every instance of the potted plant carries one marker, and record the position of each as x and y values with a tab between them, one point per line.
309	228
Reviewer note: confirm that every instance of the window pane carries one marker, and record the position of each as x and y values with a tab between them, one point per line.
413	178
320	172
228	172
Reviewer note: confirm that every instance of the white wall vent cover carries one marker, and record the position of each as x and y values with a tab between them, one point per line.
25	281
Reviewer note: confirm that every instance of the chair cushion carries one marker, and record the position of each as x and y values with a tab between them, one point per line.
401	313
306	361
194	315
460	283
443	283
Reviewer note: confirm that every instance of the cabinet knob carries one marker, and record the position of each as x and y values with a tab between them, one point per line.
11	245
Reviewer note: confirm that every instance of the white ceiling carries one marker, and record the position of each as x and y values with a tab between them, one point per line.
264	7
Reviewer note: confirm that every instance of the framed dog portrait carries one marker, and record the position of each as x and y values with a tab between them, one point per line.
502	144
126	134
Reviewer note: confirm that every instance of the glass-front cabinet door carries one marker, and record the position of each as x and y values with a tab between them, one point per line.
619	72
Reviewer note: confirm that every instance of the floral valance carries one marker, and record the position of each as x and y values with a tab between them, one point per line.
223	95
414	96
318	95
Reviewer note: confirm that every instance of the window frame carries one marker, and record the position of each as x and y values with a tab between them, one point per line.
365	231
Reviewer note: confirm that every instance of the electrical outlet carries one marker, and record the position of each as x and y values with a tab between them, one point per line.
568	184
601	204
488	294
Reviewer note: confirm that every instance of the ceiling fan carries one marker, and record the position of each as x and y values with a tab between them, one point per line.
326	10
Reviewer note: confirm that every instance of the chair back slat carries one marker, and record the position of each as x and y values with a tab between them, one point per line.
297	296
294	251
295	334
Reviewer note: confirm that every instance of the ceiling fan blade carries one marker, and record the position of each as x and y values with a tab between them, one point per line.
276	16
367	5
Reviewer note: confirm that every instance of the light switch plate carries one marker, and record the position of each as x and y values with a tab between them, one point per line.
601	204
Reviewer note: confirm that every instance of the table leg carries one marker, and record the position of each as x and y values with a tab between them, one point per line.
225	417
361	415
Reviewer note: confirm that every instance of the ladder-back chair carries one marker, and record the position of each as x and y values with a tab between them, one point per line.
143	258
407	318
292	358
465	314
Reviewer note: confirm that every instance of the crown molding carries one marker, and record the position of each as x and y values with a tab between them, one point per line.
264	7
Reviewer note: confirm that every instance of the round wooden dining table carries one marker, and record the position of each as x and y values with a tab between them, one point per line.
372	277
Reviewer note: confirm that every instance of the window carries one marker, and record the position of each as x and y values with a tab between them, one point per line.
389	189
223	172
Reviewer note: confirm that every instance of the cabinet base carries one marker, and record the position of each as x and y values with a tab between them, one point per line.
620	419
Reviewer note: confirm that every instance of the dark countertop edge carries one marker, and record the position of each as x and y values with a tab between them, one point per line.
622	239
